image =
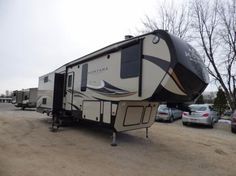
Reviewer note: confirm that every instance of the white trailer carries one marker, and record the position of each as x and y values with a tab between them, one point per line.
45	93
121	85
25	98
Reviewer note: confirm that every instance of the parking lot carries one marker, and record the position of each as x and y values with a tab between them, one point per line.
28	148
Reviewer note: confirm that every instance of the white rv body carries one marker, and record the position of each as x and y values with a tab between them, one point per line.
45	93
121	85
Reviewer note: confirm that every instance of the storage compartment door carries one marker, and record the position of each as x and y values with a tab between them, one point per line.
107	112
133	115
147	114
91	110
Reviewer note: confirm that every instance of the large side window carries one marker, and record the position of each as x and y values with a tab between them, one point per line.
130	61
84	76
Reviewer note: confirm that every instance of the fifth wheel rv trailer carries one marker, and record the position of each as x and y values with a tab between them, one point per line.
120	85
25	98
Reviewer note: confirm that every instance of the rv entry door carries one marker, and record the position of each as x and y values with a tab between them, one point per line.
69	90
58	93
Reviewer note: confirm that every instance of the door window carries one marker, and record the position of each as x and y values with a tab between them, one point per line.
84	76
69	84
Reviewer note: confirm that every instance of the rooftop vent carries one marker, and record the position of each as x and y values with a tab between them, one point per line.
128	37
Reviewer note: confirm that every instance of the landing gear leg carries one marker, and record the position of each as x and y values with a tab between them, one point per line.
55	125
146	132
113	144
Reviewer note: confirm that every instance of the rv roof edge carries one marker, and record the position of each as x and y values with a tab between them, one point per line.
117	43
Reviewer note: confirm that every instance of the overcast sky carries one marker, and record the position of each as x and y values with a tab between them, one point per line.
38	36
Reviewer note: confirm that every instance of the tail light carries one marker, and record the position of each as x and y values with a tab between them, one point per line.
185	113
205	115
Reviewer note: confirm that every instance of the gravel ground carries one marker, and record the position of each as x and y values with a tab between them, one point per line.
28	148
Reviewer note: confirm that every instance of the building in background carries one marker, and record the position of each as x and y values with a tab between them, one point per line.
5	100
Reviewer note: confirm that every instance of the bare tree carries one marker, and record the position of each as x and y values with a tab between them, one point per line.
213	25
175	20
227	13
149	25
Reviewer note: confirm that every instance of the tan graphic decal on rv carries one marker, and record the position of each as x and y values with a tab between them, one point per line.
175	78
77	93
109	90
169	84
165	66
157	61
76	107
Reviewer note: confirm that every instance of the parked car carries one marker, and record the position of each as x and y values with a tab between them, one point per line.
233	122
168	114
200	114
227	115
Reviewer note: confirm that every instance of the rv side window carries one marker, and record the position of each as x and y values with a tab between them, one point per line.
45	79
69	81
130	61
84	76
44	101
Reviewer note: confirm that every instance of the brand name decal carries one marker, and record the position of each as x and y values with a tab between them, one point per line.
193	56
98	70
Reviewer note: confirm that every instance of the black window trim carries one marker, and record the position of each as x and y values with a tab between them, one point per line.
70	78
139	69
44	101
130	58
84	77
45	79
